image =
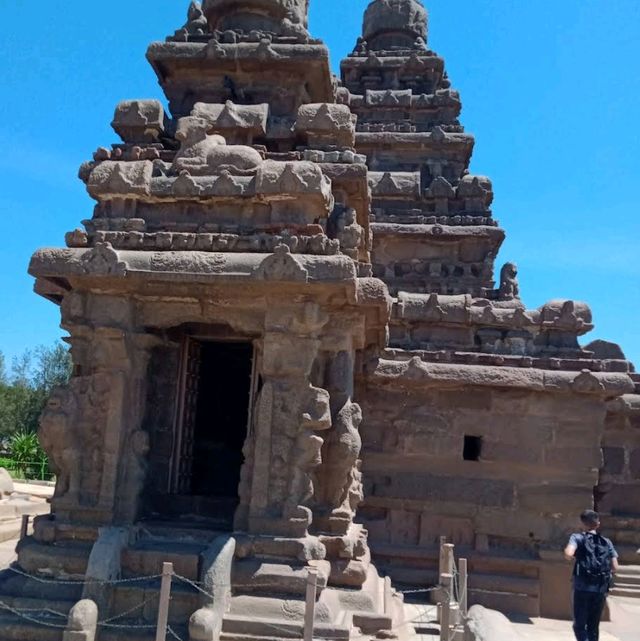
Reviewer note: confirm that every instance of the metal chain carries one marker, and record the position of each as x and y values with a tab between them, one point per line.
172	632
77	583
122	615
31	619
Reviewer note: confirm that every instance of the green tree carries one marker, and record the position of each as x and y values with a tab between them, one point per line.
3	370
25	391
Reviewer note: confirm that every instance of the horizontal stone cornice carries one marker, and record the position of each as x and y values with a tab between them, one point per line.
415	373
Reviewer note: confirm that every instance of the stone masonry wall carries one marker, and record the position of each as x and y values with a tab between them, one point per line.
539	460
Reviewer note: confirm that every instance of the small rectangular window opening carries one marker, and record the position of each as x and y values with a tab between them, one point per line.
472	448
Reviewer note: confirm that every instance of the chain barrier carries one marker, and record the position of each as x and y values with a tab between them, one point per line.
173	633
81	582
31	619
197	585
107	622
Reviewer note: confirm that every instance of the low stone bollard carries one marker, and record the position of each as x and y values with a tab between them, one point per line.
488	625
83	622
206	623
6	484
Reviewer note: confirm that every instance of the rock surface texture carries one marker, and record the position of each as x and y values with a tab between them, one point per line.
291	353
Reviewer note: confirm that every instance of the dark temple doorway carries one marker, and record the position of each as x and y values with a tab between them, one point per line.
213	419
222	413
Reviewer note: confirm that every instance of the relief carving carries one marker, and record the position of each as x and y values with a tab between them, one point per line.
57	435
306	454
71	429
281	265
343	479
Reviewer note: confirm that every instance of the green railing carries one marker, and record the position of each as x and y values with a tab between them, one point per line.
27	470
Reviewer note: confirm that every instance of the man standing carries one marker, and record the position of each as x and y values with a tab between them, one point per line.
596	560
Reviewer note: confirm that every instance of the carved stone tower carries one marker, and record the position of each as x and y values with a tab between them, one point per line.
285	296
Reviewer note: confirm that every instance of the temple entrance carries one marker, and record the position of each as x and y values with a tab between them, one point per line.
212	427
221	418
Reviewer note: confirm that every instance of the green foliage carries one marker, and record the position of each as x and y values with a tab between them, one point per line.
28	457
25	389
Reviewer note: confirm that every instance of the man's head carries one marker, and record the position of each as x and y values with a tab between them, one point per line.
590	520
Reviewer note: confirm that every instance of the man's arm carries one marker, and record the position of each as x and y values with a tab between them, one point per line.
615	566
570	551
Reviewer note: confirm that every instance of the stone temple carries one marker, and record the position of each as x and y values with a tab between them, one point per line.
291	351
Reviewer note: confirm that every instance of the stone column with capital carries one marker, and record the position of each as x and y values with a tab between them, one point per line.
91	428
291	416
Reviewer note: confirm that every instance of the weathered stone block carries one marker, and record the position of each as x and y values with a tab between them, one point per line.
404	527
463	490
613	459
505	454
457	530
551	499
634	464
574	457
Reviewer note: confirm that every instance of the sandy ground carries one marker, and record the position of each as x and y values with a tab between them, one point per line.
7	553
550	630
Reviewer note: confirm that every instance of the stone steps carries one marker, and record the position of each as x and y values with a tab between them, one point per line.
137	634
146	558
627	582
507	593
68	559
626	590
15	628
628	554
185	600
240	627
34	598
255	575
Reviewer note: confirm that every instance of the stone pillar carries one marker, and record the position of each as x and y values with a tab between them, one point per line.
91	428
290	414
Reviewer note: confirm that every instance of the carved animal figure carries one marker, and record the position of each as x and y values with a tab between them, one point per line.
57	437
342	476
509	287
202	154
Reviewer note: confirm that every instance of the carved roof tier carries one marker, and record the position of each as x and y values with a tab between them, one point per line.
284	75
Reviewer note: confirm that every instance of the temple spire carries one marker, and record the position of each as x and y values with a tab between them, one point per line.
282	17
395	24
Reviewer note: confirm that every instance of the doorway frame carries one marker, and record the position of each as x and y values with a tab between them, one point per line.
206	335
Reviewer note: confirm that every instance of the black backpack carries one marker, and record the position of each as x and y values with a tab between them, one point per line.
593	559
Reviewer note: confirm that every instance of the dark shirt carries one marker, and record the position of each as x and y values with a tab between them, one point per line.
581	584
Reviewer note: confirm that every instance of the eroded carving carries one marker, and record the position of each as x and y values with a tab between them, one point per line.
306	455
202	154
281	265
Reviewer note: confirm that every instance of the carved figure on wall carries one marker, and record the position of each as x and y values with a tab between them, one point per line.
306	454
58	439
348	232
196	24
509	287
202	154
343	487
361	47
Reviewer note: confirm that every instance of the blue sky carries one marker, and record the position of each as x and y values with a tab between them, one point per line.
550	88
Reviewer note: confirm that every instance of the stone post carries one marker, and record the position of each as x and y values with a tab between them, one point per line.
83	622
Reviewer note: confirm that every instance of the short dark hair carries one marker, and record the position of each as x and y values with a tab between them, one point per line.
589	517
